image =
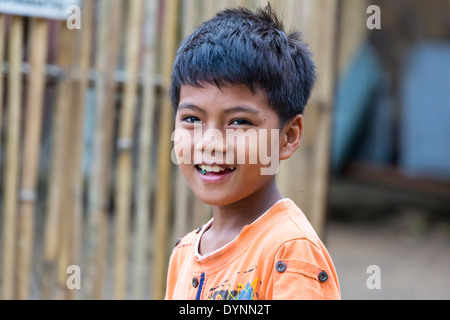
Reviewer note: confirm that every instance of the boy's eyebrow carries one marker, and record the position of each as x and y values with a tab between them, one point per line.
230	110
242	109
190	106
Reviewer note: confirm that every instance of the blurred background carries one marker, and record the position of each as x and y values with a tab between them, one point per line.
86	177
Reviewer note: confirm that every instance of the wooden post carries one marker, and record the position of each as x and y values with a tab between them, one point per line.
325	92
125	147
56	227
304	177
190	19
97	220
182	193
74	205
36	83
163	199
144	175
209	9
350	38
12	159
2	53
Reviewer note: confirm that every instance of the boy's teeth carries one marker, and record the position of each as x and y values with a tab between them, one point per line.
207	168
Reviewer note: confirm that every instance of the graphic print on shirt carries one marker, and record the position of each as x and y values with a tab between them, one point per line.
237	291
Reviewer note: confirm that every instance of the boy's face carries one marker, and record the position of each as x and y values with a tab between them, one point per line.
228	136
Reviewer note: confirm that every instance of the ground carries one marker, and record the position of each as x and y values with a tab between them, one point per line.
413	255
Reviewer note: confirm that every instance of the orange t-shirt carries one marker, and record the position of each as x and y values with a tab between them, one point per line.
277	257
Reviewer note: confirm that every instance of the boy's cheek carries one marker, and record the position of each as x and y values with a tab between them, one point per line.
181	153
269	153
183	149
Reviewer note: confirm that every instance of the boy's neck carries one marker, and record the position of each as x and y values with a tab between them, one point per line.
247	210
230	219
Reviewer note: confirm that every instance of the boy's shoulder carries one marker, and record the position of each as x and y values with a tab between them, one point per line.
289	223
293	248
189	239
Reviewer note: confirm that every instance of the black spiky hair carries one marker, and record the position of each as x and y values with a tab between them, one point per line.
238	46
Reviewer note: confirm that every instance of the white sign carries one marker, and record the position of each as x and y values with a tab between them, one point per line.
49	9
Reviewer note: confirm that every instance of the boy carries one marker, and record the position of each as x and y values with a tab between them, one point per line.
240	74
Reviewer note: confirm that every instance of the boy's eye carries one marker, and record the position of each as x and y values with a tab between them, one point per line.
191	119
241	122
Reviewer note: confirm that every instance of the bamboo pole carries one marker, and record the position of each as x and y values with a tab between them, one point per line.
164	152
56	248
97	201
125	148
349	37
190	16
52	214
74	204
144	175
38	55
182	223
64	250
209	8
304	177
294	174
99	184
297	172
2	50
66	95
325	87
12	155
85	57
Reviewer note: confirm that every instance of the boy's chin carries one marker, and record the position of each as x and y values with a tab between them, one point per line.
216	200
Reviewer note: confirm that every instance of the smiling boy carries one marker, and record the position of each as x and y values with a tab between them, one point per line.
240	74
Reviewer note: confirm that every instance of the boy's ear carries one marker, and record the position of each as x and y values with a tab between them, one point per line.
290	138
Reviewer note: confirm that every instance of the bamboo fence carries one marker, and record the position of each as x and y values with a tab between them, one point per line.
85	166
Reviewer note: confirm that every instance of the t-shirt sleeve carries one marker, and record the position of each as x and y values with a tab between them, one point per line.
303	271
176	263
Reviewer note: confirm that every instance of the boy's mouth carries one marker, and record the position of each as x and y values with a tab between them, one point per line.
214	169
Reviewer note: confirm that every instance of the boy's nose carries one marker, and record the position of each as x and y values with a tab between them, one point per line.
211	139
212	143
